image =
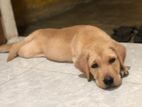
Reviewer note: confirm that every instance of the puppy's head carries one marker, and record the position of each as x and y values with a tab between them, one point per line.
103	64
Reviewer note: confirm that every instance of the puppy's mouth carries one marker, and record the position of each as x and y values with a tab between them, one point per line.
109	83
109	87
112	86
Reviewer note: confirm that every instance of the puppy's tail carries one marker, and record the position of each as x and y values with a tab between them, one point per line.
11	49
5	48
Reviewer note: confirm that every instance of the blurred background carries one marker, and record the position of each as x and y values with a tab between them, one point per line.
106	14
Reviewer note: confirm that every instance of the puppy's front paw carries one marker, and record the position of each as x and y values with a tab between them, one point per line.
124	72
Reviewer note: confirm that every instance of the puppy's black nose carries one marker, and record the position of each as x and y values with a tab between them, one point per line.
108	80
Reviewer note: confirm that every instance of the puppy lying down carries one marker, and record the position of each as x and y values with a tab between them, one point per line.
91	50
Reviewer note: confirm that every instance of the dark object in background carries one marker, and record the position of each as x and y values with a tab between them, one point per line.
138	37
2	37
128	34
123	33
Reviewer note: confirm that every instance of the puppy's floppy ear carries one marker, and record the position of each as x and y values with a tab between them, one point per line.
120	50
82	64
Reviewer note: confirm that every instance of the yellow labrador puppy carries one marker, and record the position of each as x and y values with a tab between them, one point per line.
91	50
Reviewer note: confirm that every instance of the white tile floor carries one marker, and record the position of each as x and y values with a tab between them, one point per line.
41	83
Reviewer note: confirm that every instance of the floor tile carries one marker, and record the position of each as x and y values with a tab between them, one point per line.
39	82
10	70
11	73
133	59
39	88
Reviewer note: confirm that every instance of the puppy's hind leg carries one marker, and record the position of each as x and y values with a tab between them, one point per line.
14	48
30	50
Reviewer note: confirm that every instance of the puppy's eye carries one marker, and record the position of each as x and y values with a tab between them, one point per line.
95	66
112	60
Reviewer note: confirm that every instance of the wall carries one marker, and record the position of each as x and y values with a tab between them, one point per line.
29	11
